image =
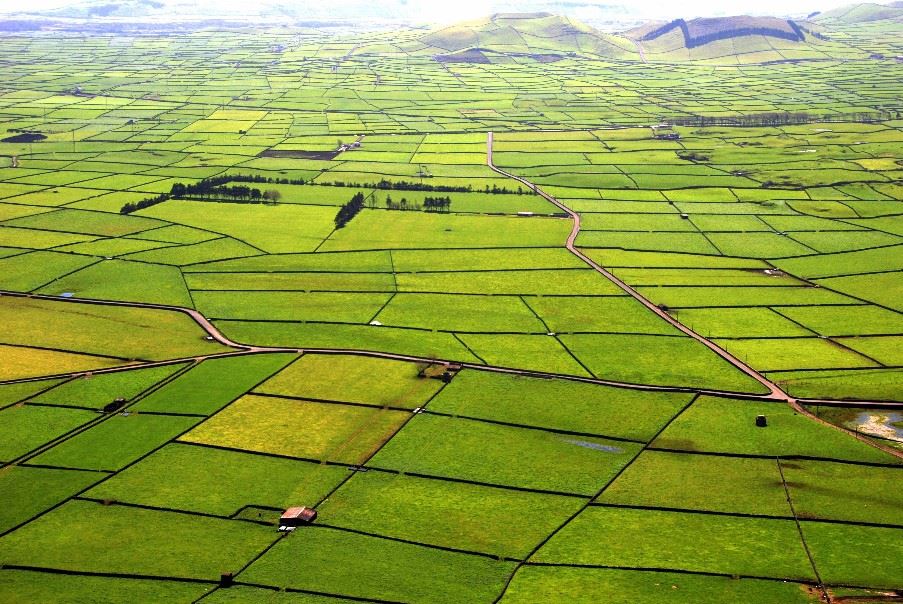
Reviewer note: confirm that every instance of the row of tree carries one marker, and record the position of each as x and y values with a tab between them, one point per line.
783	118
349	210
213	188
430	204
403	185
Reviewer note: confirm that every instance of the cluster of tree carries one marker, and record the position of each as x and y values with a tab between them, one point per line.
783	119
403	185
430	204
795	35
437	204
349	210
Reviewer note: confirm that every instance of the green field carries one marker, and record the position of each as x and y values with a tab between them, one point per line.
250	266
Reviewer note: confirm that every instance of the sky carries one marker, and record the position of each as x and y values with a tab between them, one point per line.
444	11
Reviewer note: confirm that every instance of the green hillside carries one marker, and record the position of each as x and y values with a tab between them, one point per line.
739	39
527	33
865	12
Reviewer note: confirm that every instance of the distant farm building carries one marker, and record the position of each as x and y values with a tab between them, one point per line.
665	132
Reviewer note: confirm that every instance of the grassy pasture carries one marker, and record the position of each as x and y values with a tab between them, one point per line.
299	428
363	380
116	442
721	425
213	384
478	518
701	482
670	540
215	481
484	452
131	333
86	536
36	586
615	586
364	566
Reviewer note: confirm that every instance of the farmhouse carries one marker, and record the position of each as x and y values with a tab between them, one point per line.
297	516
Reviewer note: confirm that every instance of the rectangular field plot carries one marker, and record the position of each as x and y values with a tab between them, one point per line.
326	265
885	289
879	561
406	261
695	297
294	428
795	353
846	320
18	362
334	336
277	229
582	408
330	307
378	230
95	391
542	353
614	586
598	314
213	384
116	442
131	333
707	277
504	455
26	272
354	379
501	522
37	586
26	427
752	322
721	425
89	537
124	280
221	482
663	360
465	313
856	384
295	281
701	482
26	492
671	540
839	491
649	260
15	392
361	566
516	282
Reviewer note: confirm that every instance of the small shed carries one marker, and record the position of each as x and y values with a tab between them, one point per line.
297	516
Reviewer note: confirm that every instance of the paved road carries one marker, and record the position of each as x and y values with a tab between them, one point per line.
775	392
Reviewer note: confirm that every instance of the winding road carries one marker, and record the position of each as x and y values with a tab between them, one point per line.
775	392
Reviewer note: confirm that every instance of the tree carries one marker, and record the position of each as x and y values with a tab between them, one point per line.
272	195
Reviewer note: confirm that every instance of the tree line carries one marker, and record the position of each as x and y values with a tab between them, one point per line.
795	35
349	210
783	118
403	185
214	188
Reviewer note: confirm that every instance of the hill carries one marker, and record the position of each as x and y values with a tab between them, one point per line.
865	12
743	39
541	34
